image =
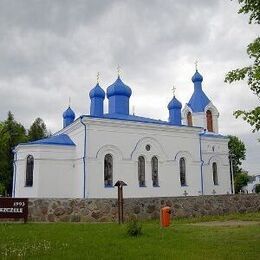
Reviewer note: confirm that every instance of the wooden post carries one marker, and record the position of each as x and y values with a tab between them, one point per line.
120	200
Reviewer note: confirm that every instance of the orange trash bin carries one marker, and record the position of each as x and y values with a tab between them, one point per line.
165	216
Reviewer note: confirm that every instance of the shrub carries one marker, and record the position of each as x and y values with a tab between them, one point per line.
257	188
134	228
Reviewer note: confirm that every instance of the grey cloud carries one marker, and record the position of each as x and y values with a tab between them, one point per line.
52	49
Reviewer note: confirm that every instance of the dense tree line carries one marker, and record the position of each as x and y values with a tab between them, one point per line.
11	134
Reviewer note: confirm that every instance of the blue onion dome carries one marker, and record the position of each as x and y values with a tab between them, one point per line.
119	88
97	91
69	113
197	77
174	104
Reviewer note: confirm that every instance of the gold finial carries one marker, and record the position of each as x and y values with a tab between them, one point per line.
98	75
118	70
69	101
196	64
173	90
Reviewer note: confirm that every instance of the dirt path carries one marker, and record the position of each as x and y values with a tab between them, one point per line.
227	223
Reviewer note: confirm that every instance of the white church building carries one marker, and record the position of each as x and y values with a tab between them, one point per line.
184	156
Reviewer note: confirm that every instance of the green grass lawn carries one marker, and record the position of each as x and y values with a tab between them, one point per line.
182	240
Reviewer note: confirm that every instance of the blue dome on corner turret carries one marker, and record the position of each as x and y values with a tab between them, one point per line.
119	88
197	77
174	108
97	91
174	103
97	96
68	113
68	117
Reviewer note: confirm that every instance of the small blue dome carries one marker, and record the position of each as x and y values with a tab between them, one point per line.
197	77
69	114
97	91
119	88
175	103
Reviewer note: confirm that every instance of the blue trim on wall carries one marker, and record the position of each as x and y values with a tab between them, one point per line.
214	135
84	157
201	168
61	139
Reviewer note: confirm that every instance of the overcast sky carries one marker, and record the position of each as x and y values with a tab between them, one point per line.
51	50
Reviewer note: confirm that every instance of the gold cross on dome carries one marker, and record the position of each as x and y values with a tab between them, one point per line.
98	75
196	64
69	101
173	90
118	70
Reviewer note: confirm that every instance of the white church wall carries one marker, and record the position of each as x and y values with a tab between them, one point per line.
61	171
52	174
126	141
215	150
19	187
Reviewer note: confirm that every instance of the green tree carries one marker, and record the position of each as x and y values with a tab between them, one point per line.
250	73
11	134
237	152
37	130
241	180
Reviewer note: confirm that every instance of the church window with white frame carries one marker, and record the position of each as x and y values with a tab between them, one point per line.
108	170
154	164
29	171
183	171
141	171
215	173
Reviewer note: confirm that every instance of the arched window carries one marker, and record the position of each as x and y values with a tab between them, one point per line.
189	119
154	165
29	171
141	171
215	173
182	172
108	170
209	121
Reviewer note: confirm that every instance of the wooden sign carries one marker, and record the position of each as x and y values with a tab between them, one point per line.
14	208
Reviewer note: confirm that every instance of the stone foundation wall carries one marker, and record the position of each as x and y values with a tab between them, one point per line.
103	210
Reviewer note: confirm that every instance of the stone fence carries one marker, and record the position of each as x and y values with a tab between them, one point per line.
103	210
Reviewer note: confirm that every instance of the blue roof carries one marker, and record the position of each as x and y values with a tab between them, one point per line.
211	134
61	139
97	91
69	113
174	103
119	88
198	100
134	118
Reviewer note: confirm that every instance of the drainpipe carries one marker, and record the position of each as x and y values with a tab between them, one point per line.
201	168
84	157
14	175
